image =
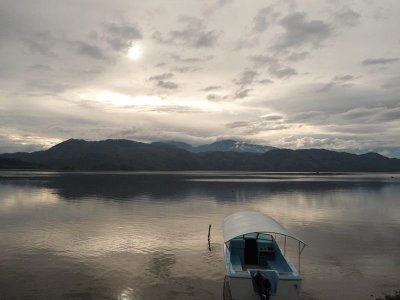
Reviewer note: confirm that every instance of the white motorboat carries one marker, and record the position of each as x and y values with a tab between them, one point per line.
257	267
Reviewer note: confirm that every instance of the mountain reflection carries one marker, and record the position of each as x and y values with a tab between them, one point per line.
177	186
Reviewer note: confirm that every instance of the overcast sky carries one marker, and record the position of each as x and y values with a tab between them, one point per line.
294	74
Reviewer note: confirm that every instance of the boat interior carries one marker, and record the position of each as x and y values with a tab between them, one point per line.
257	251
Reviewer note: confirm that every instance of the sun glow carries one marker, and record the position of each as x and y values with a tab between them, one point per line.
135	52
125	100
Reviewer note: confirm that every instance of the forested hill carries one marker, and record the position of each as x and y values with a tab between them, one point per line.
76	154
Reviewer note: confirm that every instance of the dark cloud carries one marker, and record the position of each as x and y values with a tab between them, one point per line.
265	81
328	86
242	93
247	43
264	18
162	81
169	85
348	17
344	78
262	59
187	69
272	117
298	56
246	77
338	80
89	50
193	34
211	88
299	31
362	118
280	71
275	68
389	114
379	61
237	124
213	97
121	36
308	115
162	76
163	64
262	124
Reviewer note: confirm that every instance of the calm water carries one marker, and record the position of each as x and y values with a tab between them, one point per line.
144	235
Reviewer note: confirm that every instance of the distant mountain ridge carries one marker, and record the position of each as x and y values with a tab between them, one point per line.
130	155
223	145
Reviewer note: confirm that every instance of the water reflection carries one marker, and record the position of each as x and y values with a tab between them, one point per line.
144	236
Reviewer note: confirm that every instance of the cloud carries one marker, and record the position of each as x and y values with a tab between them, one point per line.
121	36
348	17
91	51
213	97
265	81
40	67
179	58
163	64
298	56
247	43
344	78
167	85
211	88
224	2
41	43
243	93
246	77
162	81
280	71
162	76
187	69
264	18
338	80
298	31
328	86
193	34
379	61
262	59
266	123
275	68
363	119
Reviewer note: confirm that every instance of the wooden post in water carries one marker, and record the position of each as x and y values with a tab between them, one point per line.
209	233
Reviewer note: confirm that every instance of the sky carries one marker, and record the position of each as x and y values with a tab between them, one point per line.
287	73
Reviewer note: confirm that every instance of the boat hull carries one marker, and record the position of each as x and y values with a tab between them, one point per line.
242	289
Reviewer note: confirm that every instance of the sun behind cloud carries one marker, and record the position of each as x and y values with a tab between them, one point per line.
135	52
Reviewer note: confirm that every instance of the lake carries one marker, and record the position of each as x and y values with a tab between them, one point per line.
139	235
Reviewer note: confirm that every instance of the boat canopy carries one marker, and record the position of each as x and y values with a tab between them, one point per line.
250	221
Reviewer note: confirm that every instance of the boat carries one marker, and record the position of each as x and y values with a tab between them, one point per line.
257	265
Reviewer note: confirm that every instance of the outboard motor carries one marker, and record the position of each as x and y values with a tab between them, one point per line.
263	284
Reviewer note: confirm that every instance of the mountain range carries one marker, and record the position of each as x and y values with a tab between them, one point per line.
227	155
224	145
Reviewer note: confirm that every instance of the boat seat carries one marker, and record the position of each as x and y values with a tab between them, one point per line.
236	263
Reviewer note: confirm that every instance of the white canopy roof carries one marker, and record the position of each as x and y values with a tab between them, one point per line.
250	221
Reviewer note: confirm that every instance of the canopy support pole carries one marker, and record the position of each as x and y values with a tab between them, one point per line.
284	247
